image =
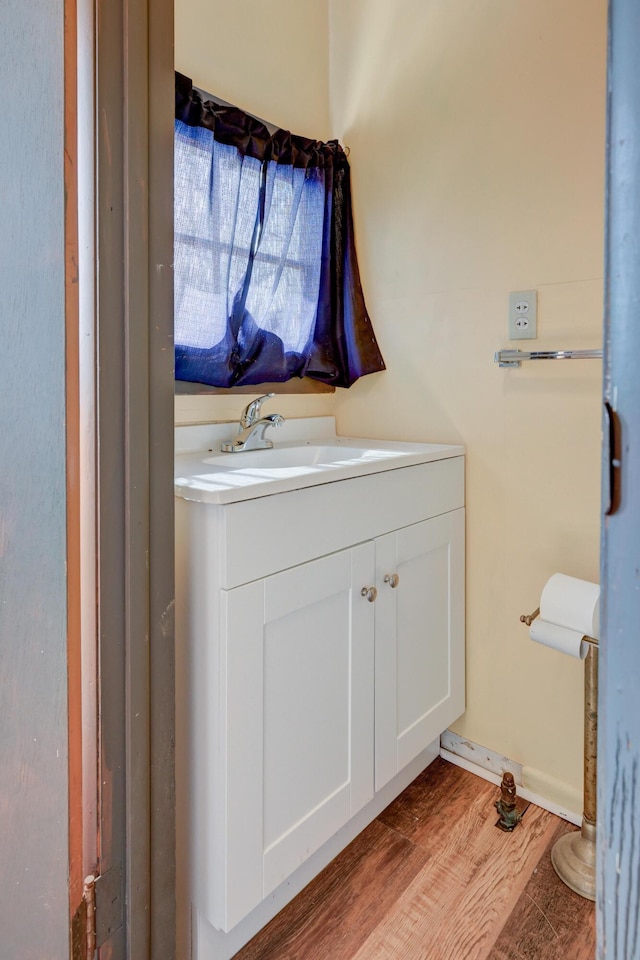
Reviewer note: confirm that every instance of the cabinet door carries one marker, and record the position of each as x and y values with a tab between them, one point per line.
297	738
419	646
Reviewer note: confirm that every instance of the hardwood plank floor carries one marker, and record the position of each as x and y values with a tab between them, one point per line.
433	879
549	921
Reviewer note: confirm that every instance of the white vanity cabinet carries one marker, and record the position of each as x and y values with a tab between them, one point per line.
321	640
298	648
419	638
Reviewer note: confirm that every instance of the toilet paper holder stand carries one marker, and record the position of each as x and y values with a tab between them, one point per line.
574	855
528	618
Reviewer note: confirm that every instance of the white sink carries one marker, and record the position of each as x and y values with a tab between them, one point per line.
304	456
214	477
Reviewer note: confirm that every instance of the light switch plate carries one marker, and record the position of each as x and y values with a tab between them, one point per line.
523	315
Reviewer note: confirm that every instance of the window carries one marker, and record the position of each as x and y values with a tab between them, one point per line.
266	280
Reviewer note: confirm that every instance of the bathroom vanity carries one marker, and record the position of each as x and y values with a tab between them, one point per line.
320	654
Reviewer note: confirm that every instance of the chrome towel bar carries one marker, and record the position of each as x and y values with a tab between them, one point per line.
514	358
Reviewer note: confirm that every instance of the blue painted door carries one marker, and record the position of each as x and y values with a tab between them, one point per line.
619	708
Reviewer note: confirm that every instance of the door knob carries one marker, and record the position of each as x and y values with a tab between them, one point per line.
370	593
392	579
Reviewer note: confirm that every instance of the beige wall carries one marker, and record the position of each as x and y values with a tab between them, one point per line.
477	150
271	59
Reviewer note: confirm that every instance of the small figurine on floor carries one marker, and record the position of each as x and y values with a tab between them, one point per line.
510	817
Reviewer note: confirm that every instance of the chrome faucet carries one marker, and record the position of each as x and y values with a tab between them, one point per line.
252	427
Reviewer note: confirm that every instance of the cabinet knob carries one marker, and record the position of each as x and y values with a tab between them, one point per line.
370	593
392	579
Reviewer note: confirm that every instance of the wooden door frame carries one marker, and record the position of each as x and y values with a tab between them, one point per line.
78	868
135	417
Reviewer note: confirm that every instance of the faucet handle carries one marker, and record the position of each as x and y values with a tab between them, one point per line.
276	419
252	411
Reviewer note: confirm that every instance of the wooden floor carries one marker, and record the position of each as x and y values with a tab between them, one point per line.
433	879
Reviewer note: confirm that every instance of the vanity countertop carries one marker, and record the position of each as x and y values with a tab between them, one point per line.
306	452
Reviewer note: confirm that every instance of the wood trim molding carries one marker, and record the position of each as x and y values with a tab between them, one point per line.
134	195
294	386
72	427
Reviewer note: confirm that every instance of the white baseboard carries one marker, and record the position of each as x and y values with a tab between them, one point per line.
492	777
489	760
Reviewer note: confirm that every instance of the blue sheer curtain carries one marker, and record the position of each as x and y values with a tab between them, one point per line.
266	282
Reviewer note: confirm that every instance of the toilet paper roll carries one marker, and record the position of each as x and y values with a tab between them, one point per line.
572	603
560	638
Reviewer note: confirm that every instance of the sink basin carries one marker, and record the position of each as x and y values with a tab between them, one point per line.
304	457
215	477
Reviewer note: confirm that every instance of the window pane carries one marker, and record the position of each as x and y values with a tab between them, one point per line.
216	202
283	295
